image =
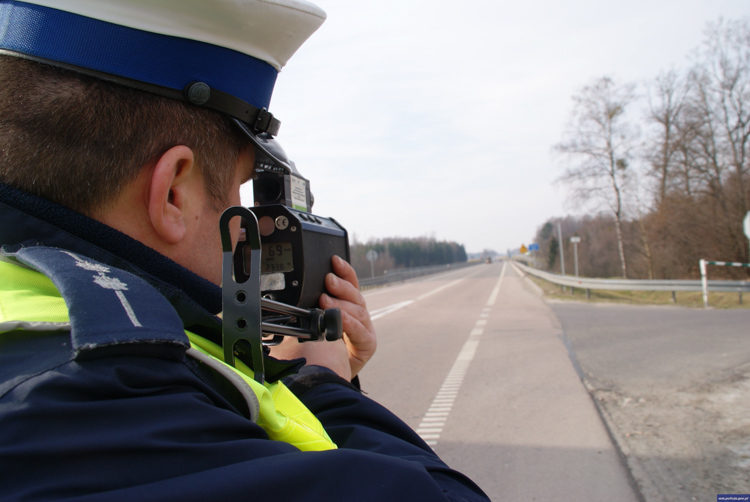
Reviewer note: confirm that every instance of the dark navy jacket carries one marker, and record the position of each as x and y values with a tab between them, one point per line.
141	422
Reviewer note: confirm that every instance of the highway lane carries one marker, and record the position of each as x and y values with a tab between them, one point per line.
475	362
644	349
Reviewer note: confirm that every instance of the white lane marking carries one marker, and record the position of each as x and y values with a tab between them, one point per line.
382	312
437	414
424	278
496	291
437	290
377	314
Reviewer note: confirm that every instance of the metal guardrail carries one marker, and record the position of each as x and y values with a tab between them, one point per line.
402	274
636	284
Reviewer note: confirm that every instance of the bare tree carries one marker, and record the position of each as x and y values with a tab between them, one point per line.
667	96
599	143
720	116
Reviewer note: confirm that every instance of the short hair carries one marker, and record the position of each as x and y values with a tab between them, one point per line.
78	140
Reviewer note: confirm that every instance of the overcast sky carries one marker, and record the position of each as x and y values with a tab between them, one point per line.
433	118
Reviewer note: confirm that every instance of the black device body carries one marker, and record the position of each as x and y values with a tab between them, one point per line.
296	252
296	245
250	324
274	276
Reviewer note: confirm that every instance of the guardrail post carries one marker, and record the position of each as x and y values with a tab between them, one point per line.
704	283
674	296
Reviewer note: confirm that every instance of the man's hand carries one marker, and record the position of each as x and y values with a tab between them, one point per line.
359	332
346	357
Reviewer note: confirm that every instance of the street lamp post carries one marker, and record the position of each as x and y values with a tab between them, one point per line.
575	240
371	256
562	255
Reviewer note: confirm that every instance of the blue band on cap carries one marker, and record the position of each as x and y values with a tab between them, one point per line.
153	58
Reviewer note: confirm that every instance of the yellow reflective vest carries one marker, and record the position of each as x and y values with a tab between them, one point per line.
30	301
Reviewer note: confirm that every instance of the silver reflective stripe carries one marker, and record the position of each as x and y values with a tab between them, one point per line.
253	405
34	326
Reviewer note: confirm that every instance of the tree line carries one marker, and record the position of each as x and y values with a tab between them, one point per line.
660	169
397	252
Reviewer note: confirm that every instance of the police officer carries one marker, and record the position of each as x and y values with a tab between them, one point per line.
126	128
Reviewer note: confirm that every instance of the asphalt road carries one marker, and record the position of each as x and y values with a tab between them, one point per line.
673	385
647	349
476	362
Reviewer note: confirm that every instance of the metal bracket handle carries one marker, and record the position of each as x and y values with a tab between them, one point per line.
241	317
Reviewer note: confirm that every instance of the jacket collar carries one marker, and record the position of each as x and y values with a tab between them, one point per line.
27	219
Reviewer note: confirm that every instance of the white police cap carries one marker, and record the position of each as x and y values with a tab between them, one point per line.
221	54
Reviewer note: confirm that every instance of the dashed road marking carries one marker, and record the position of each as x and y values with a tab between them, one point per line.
437	414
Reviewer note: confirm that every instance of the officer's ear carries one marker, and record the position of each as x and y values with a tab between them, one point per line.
170	193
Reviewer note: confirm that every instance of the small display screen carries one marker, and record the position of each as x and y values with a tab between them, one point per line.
276	257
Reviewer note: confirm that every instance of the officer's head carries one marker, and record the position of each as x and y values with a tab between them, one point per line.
92	90
94	93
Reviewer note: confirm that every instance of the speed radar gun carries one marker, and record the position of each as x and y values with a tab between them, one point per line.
273	277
